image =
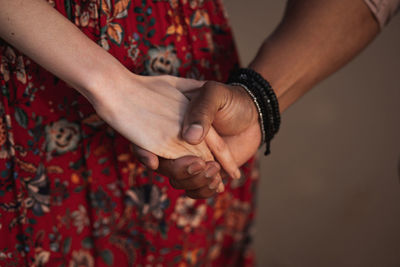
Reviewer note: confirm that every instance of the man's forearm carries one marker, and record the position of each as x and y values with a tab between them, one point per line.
43	34
314	39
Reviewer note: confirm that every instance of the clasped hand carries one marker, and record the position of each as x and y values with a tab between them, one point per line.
188	141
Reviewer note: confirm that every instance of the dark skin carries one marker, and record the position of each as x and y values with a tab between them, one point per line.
314	39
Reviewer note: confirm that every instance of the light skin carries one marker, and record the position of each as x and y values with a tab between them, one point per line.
314	39
133	105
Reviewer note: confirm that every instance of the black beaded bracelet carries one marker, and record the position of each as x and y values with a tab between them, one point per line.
264	98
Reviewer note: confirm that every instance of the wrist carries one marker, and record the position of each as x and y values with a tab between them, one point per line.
103	82
247	102
264	98
284	70
278	80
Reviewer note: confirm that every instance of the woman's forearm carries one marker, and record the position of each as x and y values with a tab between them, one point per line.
43	34
314	39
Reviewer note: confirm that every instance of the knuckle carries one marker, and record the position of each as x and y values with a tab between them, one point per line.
200	113
216	88
212	87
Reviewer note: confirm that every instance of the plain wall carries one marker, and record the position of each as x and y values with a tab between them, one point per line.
329	193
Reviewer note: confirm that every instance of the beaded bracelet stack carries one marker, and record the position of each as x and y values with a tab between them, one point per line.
265	100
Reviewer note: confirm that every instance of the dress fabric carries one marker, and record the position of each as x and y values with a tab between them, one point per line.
71	191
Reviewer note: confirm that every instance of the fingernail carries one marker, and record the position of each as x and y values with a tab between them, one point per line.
237	174
215	183
194	132
195	168
211	171
221	188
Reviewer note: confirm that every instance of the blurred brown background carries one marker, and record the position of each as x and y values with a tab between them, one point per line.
330	192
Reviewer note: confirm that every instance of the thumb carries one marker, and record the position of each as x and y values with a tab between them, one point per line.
201	112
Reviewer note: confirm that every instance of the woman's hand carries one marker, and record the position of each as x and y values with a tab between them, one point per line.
149	112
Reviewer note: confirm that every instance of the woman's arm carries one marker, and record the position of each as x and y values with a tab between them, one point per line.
146	110
51	40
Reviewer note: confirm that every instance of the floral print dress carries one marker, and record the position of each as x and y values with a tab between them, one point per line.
71	191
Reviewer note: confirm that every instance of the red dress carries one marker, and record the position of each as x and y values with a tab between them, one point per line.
71	191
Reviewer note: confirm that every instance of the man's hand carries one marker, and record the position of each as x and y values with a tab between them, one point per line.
231	111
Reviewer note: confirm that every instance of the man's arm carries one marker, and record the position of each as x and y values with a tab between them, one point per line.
314	39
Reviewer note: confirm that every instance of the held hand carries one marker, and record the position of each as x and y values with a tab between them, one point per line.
200	179
149	111
231	111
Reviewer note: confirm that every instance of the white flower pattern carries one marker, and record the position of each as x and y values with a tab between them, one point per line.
187	214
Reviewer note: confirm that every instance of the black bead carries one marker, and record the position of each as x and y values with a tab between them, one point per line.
265	98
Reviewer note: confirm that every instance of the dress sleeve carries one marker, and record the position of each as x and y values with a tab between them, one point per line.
383	10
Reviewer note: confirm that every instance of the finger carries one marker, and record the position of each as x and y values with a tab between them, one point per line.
147	158
202	111
200	180
207	191
186	85
220	187
251	137
222	153
181	168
